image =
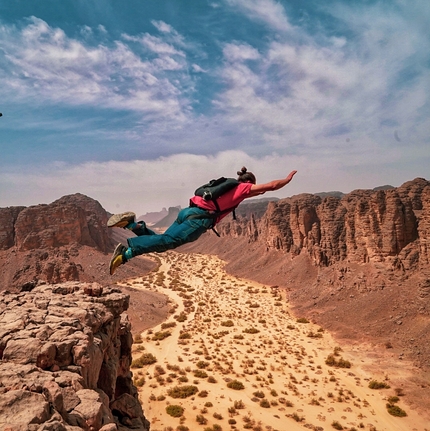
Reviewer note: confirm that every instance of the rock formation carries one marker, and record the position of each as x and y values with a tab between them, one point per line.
67	240
389	226
65	354
358	265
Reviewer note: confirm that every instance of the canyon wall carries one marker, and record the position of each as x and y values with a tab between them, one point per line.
388	226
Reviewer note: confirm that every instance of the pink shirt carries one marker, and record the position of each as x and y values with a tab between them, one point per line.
231	199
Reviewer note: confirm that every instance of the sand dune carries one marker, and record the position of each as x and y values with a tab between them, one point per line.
240	360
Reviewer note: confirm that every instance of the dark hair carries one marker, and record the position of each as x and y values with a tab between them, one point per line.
245	176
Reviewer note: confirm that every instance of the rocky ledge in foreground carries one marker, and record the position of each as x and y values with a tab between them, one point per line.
65	354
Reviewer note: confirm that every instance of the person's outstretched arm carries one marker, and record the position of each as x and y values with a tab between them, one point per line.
259	189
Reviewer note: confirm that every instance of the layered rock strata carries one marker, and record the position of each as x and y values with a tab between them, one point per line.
65	354
389	226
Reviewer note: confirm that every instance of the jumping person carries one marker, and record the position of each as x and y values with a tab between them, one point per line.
191	222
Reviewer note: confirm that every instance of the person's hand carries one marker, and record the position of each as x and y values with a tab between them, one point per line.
291	175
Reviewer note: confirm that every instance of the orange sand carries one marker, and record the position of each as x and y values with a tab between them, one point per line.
283	361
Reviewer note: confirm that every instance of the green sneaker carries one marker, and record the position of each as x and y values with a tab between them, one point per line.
121	220
117	258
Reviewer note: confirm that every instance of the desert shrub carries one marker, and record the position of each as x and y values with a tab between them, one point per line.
395	410
218	416
273	393
182	317
161	335
185	336
208	404
232	422
201	420
378	385
168	325
227	323
251	331
312	334
393	400
159	370
336	425
239	337
182	391
203	394
259	394
175	411
161	398
145	359
297	417
138	339
202	364
200	374
302	320
264	403
235	384
341	363
239	405
212	379
139	382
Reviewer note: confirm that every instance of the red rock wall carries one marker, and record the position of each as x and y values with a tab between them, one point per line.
74	219
390	226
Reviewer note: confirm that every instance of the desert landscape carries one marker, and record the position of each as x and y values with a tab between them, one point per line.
231	355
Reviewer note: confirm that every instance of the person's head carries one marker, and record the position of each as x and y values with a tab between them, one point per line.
246	177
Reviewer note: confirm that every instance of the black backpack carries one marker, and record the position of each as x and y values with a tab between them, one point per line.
216	188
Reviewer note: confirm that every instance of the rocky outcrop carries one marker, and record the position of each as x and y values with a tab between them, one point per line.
65	354
54	242
390	226
74	219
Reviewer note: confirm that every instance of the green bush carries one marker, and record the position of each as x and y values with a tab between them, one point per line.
395	410
341	363
378	385
200	374
235	384
145	359
182	391
168	325
175	411
158	336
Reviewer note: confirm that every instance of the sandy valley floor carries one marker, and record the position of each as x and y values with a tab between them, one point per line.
232	357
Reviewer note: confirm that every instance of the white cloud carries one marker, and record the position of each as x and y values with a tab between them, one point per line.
268	11
43	63
332	92
144	185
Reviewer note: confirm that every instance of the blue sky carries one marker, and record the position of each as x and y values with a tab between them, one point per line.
136	103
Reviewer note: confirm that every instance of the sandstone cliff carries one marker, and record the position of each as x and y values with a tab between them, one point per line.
389	226
65	354
66	240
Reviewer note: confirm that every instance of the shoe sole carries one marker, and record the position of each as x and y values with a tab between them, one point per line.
117	252
121	220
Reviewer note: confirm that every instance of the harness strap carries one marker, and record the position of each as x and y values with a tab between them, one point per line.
212	215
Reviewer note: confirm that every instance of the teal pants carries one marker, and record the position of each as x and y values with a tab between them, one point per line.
190	224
